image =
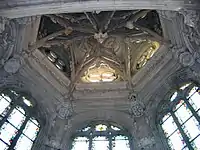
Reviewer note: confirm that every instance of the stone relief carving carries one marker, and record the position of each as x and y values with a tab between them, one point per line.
65	110
137	107
147	142
3	22
191	30
185	57
13	64
191	17
10	61
7	43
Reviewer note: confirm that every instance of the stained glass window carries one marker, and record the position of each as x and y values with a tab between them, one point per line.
18	129
101	137
181	124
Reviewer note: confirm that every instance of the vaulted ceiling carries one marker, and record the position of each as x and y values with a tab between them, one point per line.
99	46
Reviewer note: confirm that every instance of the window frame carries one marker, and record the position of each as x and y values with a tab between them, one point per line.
30	113
79	133
182	94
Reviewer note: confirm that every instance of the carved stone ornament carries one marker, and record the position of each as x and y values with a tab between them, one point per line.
147	142
167	14
191	29
3	22
185	57
7	42
13	64
137	107
65	110
191	17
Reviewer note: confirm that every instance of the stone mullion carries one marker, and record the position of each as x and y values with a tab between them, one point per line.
185	137
90	142
16	138
192	110
110	142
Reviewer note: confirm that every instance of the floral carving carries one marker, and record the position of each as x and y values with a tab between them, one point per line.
137	107
65	110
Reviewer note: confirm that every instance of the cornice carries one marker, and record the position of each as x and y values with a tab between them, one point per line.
16	9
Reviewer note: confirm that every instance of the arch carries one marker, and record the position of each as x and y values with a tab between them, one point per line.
101	135
82	119
179	117
19	126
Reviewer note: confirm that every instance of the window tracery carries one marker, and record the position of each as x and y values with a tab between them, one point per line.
101	137
18	128
181	124
147	54
100	72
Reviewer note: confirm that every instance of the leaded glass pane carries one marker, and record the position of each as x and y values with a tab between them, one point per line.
23	143
7	132
3	96
176	141
195	100
169	126
100	143
191	128
115	128
196	143
183	113
193	91
121	143
185	86
101	127
3	146
80	143
165	117
3	104
173	96
16	118
179	104
31	130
